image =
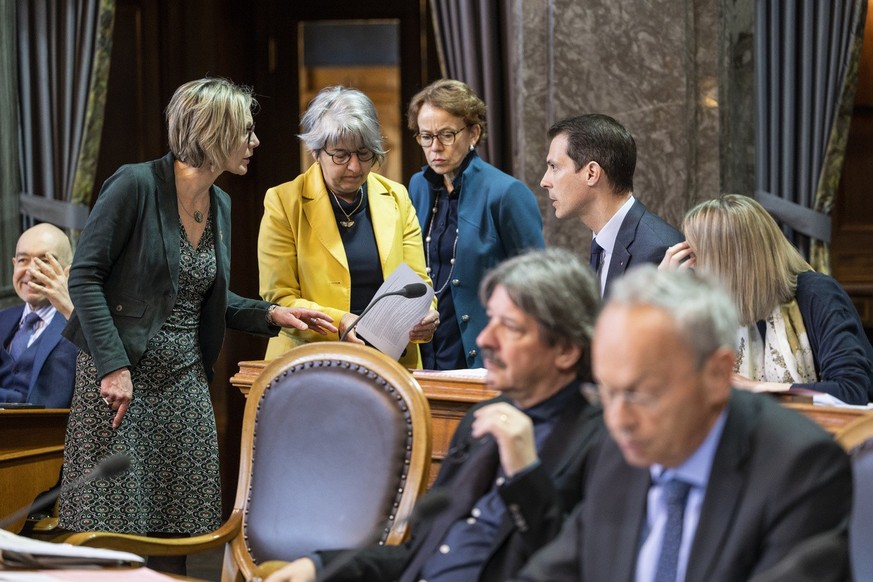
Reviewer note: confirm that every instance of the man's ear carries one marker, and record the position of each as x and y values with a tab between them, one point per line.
567	356
593	173
718	371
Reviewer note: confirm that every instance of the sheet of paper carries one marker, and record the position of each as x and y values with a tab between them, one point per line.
386	326
104	575
16	550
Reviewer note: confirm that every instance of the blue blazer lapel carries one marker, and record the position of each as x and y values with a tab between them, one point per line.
47	342
9	319
621	253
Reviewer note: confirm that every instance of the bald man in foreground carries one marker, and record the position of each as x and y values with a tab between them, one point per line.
37	365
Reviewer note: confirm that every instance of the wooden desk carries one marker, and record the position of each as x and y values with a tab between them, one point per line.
31	455
451	396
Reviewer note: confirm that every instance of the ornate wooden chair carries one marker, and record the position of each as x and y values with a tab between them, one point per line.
335	446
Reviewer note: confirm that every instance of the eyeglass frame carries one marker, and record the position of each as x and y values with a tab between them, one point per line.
438	136
250	133
356	153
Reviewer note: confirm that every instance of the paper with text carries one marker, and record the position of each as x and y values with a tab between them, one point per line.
386	327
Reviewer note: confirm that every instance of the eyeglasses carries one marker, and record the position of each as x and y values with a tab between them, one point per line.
343	157
249	134
445	137
606	397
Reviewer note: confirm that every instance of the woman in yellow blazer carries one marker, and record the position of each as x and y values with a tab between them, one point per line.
330	237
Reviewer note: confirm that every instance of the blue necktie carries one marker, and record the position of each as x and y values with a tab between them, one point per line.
22	336
596	257
675	497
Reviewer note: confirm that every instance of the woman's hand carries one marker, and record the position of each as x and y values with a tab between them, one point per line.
424	329
50	278
116	389
512	430
678	258
346	322
303	319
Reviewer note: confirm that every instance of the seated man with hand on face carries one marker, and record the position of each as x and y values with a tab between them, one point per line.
700	481
37	365
516	463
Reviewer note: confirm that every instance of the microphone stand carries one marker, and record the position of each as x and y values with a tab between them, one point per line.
409	291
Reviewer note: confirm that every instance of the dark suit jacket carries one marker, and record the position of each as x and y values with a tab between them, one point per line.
642	238
54	366
125	274
777	480
537	501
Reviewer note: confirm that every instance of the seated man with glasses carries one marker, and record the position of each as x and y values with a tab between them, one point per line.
473	215
700	481
329	238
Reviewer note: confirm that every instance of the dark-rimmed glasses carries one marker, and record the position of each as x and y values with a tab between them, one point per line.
249	134
445	137
343	157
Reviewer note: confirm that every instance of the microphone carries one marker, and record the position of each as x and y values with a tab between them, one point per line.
107	468
410	291
436	501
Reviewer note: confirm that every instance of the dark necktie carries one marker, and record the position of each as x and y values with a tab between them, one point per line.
596	257
22	336
675	496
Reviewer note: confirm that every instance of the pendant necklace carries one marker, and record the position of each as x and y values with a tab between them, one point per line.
349	221
427	248
197	215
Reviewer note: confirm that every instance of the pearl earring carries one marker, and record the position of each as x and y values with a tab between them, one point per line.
472	147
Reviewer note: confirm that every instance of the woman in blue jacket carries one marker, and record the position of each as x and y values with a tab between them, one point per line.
472	215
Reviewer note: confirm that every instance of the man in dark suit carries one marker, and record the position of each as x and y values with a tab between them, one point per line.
590	177
37	365
517	462
699	482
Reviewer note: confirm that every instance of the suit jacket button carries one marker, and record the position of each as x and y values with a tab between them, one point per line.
465	318
472	353
118	307
456	282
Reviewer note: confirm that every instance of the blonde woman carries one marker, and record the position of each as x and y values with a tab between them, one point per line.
149	283
798	327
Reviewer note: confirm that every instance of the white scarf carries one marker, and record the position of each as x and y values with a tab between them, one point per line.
783	356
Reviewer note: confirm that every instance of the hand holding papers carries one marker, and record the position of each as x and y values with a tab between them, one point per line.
394	310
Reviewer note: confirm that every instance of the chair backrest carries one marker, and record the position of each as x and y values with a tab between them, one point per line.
857	439
336	446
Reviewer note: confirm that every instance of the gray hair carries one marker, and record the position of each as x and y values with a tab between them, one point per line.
207	121
339	113
705	316
555	288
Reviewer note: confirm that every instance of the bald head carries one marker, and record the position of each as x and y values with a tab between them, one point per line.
47	238
39	242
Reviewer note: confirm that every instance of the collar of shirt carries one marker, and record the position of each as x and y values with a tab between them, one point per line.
438	181
607	235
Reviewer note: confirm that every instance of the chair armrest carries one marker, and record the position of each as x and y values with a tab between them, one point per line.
152	546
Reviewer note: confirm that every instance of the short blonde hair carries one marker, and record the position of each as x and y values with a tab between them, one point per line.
737	241
208	119
455	97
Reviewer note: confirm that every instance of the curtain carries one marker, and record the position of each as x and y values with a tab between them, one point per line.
471	42
806	55
64	48
9	221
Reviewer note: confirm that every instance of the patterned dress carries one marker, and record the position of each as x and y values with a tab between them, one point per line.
169	430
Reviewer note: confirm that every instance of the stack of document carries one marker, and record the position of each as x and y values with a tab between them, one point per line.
20	552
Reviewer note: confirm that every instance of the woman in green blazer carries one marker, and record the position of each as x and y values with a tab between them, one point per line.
149	285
